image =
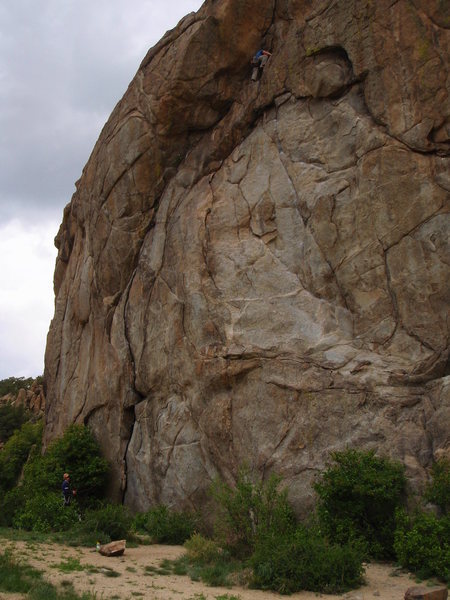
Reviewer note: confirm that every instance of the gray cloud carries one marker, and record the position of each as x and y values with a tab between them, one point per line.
64	64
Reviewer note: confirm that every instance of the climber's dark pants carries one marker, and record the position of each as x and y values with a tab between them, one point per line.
259	66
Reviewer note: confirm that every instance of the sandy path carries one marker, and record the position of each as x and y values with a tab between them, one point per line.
135	581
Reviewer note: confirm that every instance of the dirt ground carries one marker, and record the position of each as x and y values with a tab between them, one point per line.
133	577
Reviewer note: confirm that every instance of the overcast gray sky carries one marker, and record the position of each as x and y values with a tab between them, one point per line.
64	64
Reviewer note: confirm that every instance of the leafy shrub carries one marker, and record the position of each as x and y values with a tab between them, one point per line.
256	527
204	560
77	453
422	544
44	512
201	549
11	418
167	526
302	559
16	452
438	491
215	574
213	568
11	504
106	523
248	510
37	503
358	497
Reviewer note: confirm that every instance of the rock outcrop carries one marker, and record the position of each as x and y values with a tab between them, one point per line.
426	593
258	272
32	398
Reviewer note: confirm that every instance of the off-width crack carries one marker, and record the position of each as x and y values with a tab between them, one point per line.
132	413
272	23
126	329
392	295
60	333
185	333
205	245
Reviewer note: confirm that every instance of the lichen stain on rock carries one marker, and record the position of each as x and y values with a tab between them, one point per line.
258	271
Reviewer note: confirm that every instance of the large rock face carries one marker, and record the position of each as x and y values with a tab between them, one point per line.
258	272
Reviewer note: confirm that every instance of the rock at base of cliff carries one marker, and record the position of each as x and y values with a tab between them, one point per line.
422	593
116	548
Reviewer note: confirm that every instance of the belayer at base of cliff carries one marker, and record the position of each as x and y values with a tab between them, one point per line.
67	492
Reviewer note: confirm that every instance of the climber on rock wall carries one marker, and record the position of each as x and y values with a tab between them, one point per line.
259	62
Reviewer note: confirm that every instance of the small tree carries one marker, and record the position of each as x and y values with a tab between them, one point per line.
438	490
422	544
107	522
11	418
303	559
358	497
37	502
77	452
167	526
16	451
250	509
422	539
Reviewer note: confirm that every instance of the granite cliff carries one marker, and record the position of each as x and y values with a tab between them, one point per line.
259	272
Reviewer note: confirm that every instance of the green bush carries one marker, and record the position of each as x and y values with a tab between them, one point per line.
221	570
166	526
203	550
358	497
37	503
11	504
77	453
106	523
303	559
256	528
248	510
438	491
16	451
11	418
422	544
205	560
44	512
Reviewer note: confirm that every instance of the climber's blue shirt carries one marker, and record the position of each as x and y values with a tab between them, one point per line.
65	488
